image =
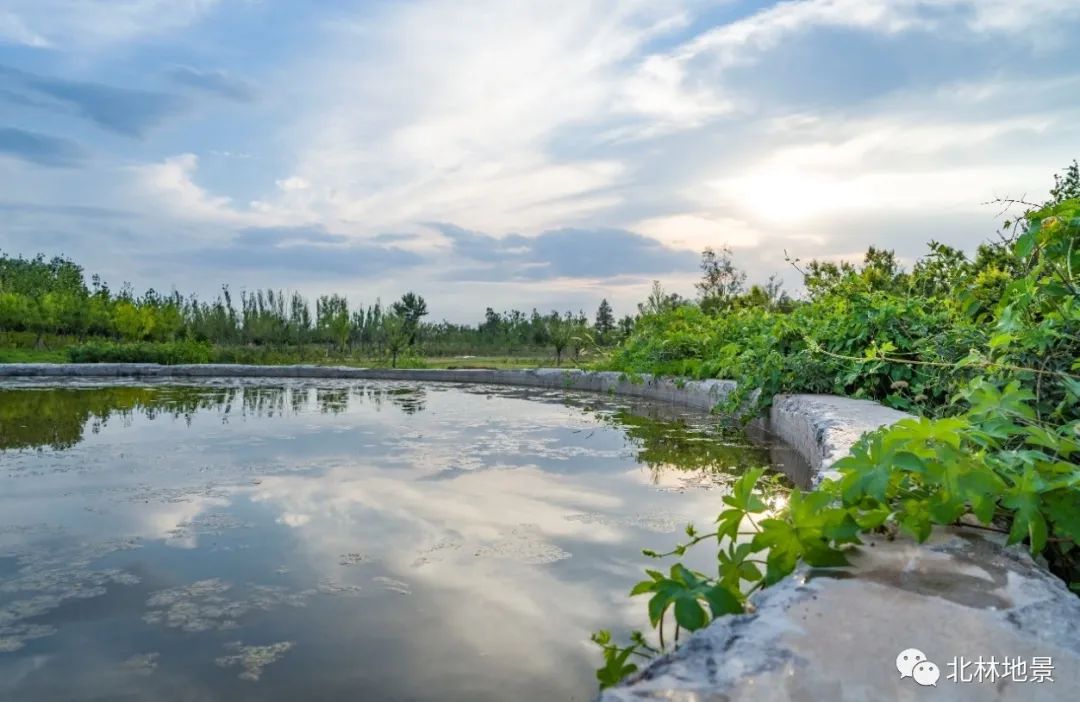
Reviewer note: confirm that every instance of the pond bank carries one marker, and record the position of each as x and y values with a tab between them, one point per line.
959	597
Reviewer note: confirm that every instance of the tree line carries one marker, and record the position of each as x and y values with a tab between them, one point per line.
50	297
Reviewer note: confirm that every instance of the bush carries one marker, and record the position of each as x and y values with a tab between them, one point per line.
167	352
989	349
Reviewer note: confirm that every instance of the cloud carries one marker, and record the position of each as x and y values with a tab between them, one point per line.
894	164
293	183
302	250
170	185
89	23
125	111
80	211
613	138
518	122
565	253
424	112
38	148
13	30
689	85
278	236
217	82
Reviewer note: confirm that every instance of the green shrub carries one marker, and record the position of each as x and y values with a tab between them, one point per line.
988	351
167	352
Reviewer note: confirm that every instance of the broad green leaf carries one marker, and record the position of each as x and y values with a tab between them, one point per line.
689	614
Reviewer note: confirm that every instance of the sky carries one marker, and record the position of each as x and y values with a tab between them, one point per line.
518	154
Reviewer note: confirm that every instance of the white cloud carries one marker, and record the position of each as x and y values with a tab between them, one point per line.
450	111
70	23
877	165
459	112
527	116
742	41
14	30
698	230
292	183
170	185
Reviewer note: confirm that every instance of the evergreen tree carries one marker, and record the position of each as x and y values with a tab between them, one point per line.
605	322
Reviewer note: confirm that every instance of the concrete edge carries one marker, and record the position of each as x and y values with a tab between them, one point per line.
698	394
823	428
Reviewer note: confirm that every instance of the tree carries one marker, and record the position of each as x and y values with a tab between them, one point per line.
515	329
411	308
1067	186
395	332
605	322
129	321
332	319
659	301
560	332
720	281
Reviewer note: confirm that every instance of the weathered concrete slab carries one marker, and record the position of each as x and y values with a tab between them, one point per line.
823	427
700	394
821	637
961	596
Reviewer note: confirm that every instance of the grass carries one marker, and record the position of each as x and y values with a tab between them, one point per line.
59	355
488	362
33	356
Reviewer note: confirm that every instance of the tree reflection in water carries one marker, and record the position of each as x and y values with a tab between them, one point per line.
57	417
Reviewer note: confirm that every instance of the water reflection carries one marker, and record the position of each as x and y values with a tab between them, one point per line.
332	540
57	417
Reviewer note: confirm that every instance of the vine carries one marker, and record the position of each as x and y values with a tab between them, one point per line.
995	446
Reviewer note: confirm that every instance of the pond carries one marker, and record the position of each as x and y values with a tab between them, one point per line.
324	540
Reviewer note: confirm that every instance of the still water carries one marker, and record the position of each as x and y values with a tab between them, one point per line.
334	540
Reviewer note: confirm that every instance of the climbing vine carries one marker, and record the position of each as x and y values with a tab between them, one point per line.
985	352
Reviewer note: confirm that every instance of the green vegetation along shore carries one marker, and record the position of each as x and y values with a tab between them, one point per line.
984	350
48	313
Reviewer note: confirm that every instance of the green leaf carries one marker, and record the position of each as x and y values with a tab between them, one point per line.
658	604
689	614
728	523
1025	244
723	601
914	517
1062	507
742	495
615	668
1025	501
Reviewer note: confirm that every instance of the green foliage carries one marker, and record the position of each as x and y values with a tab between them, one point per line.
566	331
49	298
985	351
605	322
168	352
395	333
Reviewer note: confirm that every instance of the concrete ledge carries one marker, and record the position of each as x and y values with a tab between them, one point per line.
699	394
823	428
836	637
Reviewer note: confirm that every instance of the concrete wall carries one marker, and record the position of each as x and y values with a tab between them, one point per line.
699	394
815	636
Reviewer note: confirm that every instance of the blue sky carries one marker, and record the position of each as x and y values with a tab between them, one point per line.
517	153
